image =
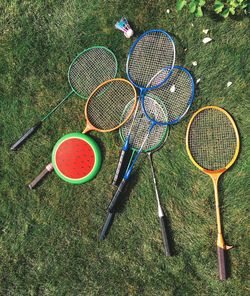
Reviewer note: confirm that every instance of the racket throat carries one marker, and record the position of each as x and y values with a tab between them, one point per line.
160	211
126	144
57	106
220	240
221	243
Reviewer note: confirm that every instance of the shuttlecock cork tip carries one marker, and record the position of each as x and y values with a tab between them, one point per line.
129	33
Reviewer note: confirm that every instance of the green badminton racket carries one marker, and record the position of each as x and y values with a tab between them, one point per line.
88	70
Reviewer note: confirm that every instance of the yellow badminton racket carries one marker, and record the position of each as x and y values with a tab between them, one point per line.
212	143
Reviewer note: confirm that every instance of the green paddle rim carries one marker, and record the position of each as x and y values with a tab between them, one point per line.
97	153
80	54
164	135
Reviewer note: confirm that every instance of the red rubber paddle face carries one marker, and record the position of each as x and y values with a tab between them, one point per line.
76	158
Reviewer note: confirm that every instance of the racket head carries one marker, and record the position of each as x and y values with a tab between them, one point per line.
106	103
142	125
177	94
76	158
149	54
90	68
212	140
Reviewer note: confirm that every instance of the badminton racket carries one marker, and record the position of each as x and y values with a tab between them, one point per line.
102	113
161	214
160	134
140	129
177	95
212	143
88	70
152	51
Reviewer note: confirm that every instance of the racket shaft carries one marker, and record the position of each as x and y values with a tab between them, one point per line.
117	197
221	263
107	225
25	137
38	179
164	235
124	159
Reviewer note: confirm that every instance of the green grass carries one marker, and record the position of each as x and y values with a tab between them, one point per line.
49	236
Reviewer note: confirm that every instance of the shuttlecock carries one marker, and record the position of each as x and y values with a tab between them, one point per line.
198	80
168	10
229	83
124	26
205	31
194	63
206	40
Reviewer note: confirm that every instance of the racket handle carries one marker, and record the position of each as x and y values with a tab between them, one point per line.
117	197
48	169
164	235
124	159
25	137
221	263
107	225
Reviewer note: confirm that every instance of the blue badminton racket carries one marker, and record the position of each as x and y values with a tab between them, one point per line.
151	52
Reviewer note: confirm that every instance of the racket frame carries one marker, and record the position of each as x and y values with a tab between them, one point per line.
215	175
90	126
191	99
143	89
79	55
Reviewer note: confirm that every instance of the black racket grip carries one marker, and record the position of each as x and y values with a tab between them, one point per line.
122	166
107	225
221	263
25	137
117	197
48	169
164	235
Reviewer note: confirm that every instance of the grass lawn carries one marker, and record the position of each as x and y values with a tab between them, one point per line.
49	236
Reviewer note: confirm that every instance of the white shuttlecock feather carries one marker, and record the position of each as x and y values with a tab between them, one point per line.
124	26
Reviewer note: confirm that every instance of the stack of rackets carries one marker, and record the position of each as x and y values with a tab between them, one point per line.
156	95
166	93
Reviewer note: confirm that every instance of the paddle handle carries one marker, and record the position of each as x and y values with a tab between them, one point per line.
123	162
117	197
26	136
221	263
46	171
107	225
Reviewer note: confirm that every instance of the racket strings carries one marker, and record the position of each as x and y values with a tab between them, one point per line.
107	103
212	139
91	69
141	127
176	93
153	52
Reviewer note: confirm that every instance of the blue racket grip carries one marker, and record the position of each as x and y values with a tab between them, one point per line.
107	225
25	137
117	197
122	166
